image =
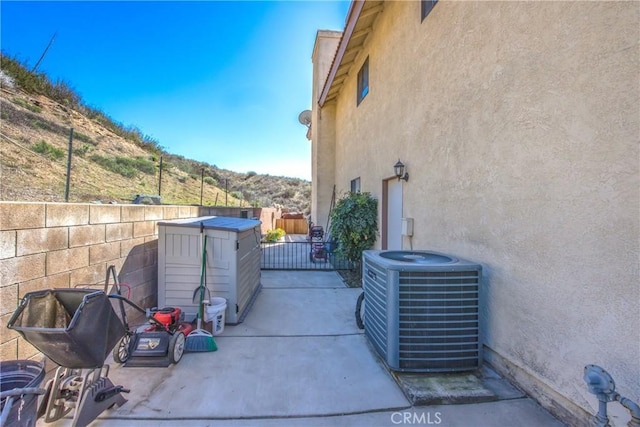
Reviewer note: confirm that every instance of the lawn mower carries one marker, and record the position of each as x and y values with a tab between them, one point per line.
159	344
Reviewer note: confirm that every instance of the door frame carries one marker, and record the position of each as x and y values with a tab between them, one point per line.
384	214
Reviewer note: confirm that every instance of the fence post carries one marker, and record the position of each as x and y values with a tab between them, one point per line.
201	184
69	154
160	178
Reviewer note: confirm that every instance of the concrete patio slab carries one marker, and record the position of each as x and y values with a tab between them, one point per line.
258	377
301	279
302	311
297	360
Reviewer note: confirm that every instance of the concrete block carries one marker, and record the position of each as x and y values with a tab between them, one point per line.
7	244
87	235
102	214
145	294
151	243
16	215
170	212
146	228
131	246
139	260
20	269
121	231
67	214
7	334
104	252
93	276
9	350
153	212
131	274
147	259
38	240
67	260
185	212
120	265
149	289
42	283
132	213
8	299
26	350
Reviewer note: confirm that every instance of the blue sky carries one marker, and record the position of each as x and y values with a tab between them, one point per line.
220	82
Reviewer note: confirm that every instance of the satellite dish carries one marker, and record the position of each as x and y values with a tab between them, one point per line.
305	118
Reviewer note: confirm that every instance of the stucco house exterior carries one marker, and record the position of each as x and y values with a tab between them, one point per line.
519	126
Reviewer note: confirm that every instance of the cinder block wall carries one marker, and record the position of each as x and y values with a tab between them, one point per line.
66	245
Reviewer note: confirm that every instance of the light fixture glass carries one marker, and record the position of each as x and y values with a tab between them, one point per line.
398	169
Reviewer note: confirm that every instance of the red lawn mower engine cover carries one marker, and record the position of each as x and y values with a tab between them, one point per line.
169	316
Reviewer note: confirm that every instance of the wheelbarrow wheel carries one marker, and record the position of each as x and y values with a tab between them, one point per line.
176	347
121	350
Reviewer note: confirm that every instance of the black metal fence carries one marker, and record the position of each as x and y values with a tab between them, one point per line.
301	256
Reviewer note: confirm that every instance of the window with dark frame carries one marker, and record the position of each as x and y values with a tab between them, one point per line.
426	6
363	81
355	185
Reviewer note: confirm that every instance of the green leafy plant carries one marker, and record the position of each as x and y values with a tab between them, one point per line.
354	223
43	124
83	138
21	102
48	150
82	150
274	235
125	166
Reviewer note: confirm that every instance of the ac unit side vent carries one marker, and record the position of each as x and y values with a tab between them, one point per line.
423	318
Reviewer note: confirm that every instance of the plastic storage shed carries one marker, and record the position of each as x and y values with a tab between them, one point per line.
233	263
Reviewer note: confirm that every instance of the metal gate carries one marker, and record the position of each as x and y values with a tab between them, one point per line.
301	255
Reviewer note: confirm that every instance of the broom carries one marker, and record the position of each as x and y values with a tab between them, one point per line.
200	339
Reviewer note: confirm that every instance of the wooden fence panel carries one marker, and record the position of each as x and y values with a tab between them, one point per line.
293	226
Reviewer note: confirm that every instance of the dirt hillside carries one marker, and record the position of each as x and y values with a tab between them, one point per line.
34	141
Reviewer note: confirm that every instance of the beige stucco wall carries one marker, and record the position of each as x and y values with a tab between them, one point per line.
519	125
322	130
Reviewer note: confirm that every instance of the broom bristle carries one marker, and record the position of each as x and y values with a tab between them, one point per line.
200	340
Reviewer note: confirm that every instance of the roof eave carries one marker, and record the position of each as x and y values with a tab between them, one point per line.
352	18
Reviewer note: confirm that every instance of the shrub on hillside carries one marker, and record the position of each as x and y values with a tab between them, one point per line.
125	166
48	150
29	106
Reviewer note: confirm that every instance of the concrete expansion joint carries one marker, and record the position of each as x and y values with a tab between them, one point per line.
262	417
291	336
306	288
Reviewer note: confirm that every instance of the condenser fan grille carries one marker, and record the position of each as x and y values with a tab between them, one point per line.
438	320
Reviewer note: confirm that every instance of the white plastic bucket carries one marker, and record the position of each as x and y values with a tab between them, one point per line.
215	313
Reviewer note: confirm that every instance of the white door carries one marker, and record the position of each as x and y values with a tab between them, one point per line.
394	214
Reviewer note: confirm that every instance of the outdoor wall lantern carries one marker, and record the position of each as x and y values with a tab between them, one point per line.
398	168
